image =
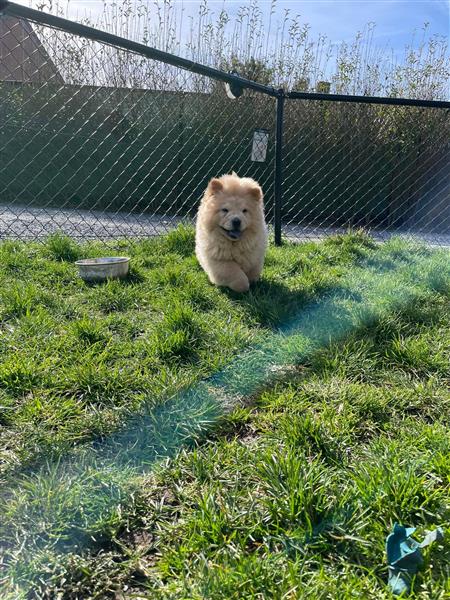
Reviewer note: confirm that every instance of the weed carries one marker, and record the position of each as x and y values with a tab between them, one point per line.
62	248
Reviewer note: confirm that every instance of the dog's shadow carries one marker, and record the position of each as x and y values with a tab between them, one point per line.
270	303
273	304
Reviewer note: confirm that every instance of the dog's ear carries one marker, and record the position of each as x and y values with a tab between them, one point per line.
234	174
215	185
255	191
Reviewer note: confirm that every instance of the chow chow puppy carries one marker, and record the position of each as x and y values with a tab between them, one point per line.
231	233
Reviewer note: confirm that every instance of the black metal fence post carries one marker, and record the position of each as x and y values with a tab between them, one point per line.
278	187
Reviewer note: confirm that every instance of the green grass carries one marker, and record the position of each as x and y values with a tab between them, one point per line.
166	438
77	360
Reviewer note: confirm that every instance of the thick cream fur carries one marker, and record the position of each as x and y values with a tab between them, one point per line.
231	263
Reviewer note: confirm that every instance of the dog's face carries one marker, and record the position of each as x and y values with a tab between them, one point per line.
233	205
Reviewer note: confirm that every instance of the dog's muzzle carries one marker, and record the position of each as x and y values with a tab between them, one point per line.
232	234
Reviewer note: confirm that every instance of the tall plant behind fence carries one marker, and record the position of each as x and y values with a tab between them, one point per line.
104	138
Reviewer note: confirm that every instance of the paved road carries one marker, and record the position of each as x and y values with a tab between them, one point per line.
28	223
37	223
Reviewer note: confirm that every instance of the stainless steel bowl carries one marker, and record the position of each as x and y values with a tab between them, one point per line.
100	269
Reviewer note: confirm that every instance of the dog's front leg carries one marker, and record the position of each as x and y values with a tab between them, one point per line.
229	274
254	272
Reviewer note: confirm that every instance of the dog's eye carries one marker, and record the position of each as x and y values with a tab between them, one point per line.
224	210
245	210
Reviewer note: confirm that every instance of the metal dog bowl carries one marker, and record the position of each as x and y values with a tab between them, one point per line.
100	269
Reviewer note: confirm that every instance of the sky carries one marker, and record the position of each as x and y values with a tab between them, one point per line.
339	20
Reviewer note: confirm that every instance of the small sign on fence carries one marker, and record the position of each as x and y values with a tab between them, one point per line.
259	147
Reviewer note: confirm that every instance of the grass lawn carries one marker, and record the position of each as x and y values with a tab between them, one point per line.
162	438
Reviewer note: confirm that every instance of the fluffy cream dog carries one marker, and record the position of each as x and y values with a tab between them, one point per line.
231	234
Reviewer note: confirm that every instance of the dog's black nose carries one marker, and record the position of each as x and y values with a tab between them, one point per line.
236	223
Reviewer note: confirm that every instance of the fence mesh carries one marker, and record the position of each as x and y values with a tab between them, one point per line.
87	152
101	142
380	167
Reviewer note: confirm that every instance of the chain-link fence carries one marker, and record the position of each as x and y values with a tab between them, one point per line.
376	166
104	138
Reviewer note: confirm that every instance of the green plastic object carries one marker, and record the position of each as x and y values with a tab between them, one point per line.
404	556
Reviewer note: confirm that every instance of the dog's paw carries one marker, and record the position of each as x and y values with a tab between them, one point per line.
240	286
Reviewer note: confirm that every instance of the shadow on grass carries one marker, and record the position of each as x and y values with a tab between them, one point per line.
270	303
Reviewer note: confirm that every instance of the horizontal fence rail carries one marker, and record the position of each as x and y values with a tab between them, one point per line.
104	138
